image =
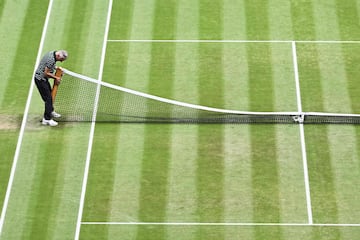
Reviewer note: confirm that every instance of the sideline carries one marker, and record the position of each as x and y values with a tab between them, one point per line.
24	120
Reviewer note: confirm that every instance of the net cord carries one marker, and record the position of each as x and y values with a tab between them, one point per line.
211	109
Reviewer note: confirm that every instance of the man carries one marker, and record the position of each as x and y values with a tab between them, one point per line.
44	71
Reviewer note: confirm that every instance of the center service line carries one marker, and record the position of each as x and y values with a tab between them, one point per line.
302	136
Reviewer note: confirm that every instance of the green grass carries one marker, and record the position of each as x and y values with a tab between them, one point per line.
169	173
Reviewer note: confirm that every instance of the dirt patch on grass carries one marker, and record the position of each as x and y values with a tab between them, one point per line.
10	122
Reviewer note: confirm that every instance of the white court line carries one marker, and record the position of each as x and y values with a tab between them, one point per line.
24	120
92	130
302	136
227	224
228	41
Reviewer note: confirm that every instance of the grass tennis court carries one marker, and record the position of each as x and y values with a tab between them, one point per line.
184	181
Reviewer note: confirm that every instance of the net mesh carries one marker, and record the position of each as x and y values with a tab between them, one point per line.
85	99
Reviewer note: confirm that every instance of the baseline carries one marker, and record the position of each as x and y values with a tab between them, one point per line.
229	41
227	224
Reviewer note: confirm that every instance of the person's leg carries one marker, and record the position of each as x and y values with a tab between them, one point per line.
41	89
48	102
45	92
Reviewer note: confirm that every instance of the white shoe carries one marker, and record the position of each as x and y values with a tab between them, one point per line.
55	114
50	122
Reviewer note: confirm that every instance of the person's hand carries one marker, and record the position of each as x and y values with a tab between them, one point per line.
57	80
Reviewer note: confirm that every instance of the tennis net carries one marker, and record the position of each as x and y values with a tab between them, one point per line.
84	99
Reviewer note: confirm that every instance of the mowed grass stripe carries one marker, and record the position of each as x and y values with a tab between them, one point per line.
10	30
342	140
7	152
125	203
115	148
332	71
11	118
126	190
303	20
210	19
154	179
38	201
317	141
302	15
76	36
236	144
76	43
19	202
234	19
257	22
210	162
321	175
2	3
69	180
280	27
291	189
132	63
121	19
182	192
142	20
310	84
235	63
349	20
187	20
55	204
351	59
89	52
317	145
103	162
105	158
181	205
331	62
345	165
120	28
264	169
279	17
155	161
27	10
11	45
47	187
326	23
14	44
319	163
238	202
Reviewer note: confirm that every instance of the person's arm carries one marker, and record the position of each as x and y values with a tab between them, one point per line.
49	74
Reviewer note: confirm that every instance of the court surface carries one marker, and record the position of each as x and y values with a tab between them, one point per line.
184	181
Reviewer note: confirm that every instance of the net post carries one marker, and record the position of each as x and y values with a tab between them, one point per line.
59	73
